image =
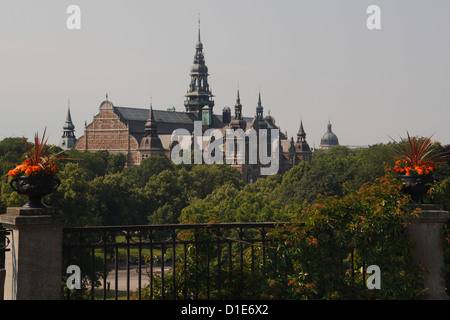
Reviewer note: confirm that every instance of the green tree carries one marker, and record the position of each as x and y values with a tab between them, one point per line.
10	149
183	184
94	163
74	196
227	203
9	198
323	175
115	162
371	163
116	200
148	167
205	178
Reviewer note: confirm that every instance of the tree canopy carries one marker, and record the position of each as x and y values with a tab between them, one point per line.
98	189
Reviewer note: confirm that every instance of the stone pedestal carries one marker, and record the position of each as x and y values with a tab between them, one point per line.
34	263
425	231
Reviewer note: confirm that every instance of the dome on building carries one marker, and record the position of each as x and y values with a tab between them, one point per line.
329	139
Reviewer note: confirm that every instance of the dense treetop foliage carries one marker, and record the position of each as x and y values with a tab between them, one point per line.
97	188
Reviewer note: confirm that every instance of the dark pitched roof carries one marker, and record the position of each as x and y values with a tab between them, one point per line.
168	120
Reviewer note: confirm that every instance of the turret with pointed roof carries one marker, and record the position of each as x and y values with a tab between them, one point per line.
301	135
301	145
68	139
151	143
299	151
259	121
238	121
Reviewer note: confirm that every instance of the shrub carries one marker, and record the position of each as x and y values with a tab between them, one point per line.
342	237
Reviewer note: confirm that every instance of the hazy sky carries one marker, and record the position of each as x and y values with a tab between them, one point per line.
313	60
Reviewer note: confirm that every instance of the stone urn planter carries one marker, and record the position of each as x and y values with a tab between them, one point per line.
35	176
35	188
416	185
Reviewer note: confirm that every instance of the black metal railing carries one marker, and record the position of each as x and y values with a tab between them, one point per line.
182	261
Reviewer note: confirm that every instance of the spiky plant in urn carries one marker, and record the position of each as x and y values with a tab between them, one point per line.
417	160
36	175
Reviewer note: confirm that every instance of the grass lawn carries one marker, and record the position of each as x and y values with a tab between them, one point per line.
134	250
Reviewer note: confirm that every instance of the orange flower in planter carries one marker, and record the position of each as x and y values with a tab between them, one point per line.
37	160
417	157
35	176
408	171
420	170
12	173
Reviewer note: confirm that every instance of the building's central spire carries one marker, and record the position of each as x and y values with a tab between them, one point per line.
199	58
238	107
199	41
198	94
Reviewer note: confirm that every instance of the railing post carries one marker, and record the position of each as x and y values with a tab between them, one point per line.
425	231
34	262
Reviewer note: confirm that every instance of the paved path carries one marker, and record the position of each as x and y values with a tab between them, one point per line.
134	278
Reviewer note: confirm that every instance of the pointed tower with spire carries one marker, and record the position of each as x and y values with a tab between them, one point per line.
238	121
259	122
302	149
68	139
151	143
199	98
301	135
